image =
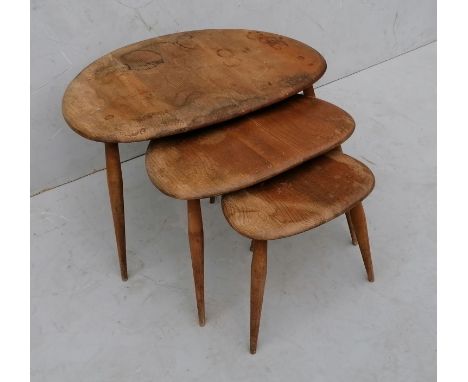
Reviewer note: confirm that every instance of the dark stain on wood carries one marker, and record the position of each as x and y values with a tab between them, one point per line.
141	59
215	75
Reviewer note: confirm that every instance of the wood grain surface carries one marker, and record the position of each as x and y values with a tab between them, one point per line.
247	150
183	81
300	199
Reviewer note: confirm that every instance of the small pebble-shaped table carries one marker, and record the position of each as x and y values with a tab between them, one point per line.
177	83
294	202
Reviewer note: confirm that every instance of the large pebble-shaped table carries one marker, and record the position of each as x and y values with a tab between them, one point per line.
181	82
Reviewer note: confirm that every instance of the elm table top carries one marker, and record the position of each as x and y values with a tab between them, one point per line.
184	81
300	199
247	150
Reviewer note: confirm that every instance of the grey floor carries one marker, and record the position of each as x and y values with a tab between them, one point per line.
322	321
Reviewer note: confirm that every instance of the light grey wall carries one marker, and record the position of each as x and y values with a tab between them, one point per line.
66	35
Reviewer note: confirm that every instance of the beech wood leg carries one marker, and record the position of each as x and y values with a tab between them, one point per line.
115	185
351	228
257	287
360	225
195	233
309	92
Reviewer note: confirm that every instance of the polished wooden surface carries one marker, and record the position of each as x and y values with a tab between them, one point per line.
179	82
247	150
300	199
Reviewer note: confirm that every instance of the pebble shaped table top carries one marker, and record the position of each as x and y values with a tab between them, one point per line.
184	81
247	150
300	199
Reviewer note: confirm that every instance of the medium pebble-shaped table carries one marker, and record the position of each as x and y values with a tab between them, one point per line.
177	83
241	153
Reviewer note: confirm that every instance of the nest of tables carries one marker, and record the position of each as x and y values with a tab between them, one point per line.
229	113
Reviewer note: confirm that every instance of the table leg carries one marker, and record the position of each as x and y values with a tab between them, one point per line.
351	228
309	92
359	222
195	233
257	288
115	185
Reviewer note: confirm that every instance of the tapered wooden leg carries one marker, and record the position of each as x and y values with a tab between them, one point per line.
309	92
212	199
115	185
257	287
360	226
195	233
351	228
